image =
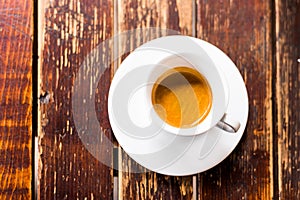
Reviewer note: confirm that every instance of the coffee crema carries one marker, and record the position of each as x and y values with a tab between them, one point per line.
182	97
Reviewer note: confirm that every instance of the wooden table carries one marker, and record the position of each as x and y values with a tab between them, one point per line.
44	43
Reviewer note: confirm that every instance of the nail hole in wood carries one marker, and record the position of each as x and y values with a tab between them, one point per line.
45	98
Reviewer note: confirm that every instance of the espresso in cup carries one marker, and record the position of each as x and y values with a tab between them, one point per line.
182	97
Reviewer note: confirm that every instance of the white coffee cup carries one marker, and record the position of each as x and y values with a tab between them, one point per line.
202	63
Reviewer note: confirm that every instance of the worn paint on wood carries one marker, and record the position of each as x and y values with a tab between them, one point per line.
67	170
177	17
16	93
242	29
288	97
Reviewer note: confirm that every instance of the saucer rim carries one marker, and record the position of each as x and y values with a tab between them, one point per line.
238	136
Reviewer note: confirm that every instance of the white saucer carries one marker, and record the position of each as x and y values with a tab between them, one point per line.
146	141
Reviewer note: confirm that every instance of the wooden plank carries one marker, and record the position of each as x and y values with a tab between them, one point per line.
287	97
70	30
242	29
16	25
177	16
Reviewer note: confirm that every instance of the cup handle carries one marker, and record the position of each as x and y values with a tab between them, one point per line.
228	124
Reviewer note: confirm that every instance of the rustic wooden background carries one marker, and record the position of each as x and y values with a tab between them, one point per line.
261	37
16	31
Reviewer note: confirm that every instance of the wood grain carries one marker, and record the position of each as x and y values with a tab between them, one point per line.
16	93
264	165
242	29
71	30
287	97
140	15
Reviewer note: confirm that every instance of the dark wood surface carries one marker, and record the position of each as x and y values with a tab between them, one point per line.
287	101
261	37
242	29
15	101
70	30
